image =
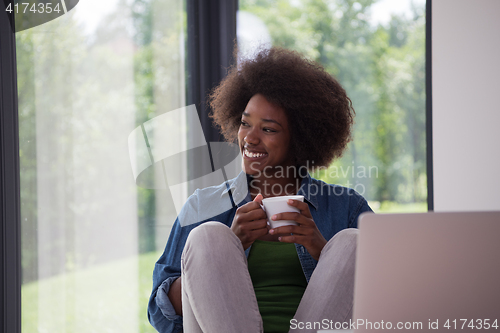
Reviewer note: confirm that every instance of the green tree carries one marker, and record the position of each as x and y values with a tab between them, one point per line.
382	70
400	115
145	110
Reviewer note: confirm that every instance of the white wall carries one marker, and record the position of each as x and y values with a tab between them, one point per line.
466	104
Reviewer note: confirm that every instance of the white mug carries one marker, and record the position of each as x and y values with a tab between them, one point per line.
276	205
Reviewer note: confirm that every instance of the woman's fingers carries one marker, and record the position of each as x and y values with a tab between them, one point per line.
291	229
258	198
305	233
303	207
303	217
249	206
297	217
250	222
299	239
313	242
258	233
255	214
248	232
254	225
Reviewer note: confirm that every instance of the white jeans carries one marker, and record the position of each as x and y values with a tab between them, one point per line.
217	291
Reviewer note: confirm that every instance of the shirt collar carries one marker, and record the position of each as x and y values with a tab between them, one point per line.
239	189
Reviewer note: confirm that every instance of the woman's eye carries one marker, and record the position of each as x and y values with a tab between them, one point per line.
242	123
269	130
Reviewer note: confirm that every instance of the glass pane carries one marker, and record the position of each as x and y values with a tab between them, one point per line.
376	49
89	81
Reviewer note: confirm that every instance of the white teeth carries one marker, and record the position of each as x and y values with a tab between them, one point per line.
253	155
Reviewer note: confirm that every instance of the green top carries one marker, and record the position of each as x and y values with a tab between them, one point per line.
278	281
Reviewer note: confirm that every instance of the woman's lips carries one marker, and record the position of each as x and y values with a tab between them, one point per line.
253	155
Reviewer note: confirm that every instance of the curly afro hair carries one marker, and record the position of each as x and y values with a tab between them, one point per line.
319	113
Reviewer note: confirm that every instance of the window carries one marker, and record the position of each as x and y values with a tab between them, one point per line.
379	58
91	77
86	81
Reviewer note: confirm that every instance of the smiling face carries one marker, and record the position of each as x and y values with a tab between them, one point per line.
264	137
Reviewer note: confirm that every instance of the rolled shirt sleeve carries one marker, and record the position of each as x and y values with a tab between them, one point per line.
161	313
163	302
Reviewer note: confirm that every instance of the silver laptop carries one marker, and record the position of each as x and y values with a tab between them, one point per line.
428	272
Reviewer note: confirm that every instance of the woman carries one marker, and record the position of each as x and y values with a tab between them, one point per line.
288	116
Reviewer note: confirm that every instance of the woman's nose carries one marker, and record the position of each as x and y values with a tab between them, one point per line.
251	138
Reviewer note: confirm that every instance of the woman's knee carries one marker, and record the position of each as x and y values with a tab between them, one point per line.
346	239
210	235
349	233
208	230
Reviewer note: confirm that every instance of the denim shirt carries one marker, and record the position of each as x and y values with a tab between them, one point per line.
332	207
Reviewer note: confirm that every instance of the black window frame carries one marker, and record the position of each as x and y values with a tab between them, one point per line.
10	208
428	105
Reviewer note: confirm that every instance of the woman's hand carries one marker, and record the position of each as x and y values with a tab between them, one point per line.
306	233
250	222
175	296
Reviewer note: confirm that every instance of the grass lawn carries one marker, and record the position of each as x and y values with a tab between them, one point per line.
395	207
111	297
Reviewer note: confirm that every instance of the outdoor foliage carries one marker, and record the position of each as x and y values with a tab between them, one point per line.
383	70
